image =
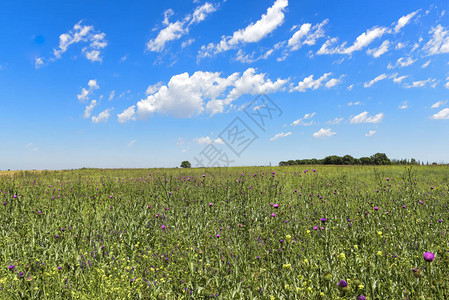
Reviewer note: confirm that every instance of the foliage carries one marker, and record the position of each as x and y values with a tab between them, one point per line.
186	164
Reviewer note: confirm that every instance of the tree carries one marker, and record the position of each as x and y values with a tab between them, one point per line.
186	164
380	159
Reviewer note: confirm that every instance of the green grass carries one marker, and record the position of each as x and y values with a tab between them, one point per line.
114	246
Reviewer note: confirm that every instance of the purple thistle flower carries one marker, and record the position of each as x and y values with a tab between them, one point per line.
361	297
342	284
218	235
11	267
276	205
429	256
273	215
163	226
4	203
376	208
210	204
323	220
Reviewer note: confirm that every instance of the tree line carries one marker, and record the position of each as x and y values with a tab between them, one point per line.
375	159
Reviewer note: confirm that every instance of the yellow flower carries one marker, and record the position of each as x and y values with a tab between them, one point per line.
379	233
288	237
361	286
379	253
287	266
342	256
321	294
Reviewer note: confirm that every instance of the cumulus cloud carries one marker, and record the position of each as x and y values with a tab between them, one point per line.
439	43
333	82
127	115
441	115
438	104
205	140
303	121
402	62
89	108
370	133
365	118
103	116
84	34
378	78
421	83
92	86
323	133
404	105
361	42
306	35
280	135
188	95
404	20
335	121
397	79
310	83
175	30
250	58
253	33
382	49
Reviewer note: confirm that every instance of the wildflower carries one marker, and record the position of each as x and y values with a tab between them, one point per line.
361	286
376	208
287	266
210	204
323	220
11	267
276	205
342	284
361	297
379	233
379	253
273	215
342	256
388	179
218	235
288	237
163	226
429	256
4	203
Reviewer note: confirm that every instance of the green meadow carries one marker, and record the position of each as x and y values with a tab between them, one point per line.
297	232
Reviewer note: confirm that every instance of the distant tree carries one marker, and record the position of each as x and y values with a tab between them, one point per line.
380	159
333	160
366	160
348	160
186	164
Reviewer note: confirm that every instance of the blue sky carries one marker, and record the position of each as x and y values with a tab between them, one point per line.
153	83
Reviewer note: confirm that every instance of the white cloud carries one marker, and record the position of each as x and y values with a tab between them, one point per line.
302	121
378	78
280	135
379	51
306	35
85	93
253	33
37	63
335	121
185	96
422	83
404	105
153	88
404	21
354	103
310	83
402	62
447	83
174	31
350	87
205	140
127	115
82	34
123	58
438	104
187	43
102	117
89	108
441	115
111	95
364	118
333	82
361	42
250	58
397	79
426	64
323	133
132	143
370	133
439	43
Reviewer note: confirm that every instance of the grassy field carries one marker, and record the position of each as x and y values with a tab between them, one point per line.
235	233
